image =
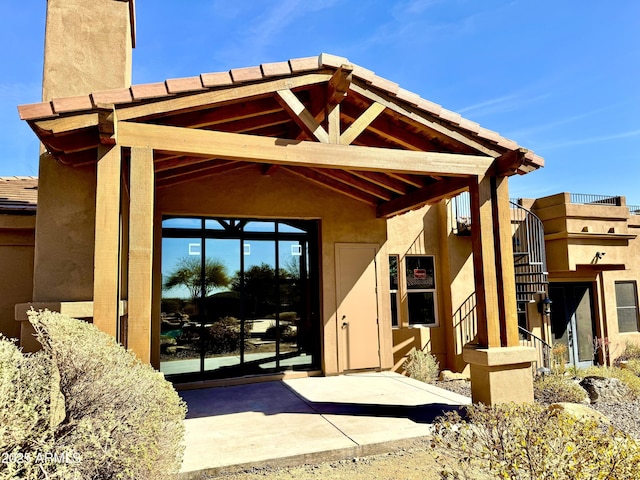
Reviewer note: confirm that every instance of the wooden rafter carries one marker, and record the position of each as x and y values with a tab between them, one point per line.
383	180
233	146
200	173
179	162
301	115
445	188
422	119
361	123
358	183
408	179
326	180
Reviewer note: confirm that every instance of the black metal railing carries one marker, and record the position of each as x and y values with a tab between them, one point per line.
529	255
465	323
634	209
543	349
588	199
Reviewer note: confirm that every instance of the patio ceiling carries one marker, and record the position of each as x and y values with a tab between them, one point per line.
319	118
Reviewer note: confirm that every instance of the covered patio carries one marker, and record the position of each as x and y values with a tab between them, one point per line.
314	138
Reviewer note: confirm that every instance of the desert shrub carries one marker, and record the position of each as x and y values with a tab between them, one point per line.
110	415
558	358
421	366
287	334
223	336
558	388
633	365
527	441
631	352
626	376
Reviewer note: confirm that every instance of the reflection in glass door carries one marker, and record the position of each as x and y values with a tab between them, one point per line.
572	321
252	305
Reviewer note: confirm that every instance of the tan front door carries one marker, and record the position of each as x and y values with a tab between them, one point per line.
357	312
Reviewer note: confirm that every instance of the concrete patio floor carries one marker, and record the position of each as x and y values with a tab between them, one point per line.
310	419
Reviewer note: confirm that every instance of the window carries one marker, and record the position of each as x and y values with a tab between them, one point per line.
627	306
393	284
421	290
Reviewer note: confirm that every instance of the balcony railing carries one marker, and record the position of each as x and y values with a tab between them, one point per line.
634	209
588	199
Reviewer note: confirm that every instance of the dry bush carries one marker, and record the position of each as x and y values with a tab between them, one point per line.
528	441
555	388
422	366
111	415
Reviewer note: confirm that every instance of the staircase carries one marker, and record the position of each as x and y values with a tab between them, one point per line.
529	258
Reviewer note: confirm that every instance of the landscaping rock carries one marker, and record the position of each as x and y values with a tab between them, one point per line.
605	390
579	411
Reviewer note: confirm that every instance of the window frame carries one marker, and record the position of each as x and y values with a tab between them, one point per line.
394	291
410	291
627	307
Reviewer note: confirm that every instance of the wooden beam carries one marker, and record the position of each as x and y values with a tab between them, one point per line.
510	162
66	124
106	269
281	151
140	253
333	123
213	166
505	270
107	126
484	262
301	115
218	97
408	179
429	194
178	162
423	120
339	85
361	123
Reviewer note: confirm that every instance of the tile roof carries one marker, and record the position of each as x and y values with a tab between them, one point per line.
18	194
236	76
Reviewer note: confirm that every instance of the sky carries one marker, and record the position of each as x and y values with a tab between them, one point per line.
560	77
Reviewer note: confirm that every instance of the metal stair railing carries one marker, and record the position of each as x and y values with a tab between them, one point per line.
530	262
543	349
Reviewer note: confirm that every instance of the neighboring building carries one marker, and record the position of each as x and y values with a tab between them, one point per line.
241	223
18	200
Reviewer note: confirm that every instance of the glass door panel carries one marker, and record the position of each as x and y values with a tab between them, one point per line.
223	335
180	319
259	289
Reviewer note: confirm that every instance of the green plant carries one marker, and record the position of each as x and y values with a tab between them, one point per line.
92	408
555	388
421	366
528	441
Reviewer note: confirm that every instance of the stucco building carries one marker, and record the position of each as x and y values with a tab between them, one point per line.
290	218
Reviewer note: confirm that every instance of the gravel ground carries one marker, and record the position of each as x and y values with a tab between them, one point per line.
416	461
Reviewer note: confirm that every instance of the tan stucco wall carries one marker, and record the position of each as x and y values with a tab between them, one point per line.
16	257
248	193
428	231
573	234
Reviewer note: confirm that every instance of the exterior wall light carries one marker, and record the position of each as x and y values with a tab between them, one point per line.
544	306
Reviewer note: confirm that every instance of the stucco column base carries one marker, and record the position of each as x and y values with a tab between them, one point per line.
500	375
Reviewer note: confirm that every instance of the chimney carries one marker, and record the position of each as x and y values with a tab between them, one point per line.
88	46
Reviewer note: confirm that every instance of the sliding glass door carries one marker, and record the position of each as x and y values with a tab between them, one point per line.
240	297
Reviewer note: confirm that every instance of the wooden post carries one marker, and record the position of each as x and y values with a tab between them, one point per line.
504	264
484	262
106	267
140	252
333	121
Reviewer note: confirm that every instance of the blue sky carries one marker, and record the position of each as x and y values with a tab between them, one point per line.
561	77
